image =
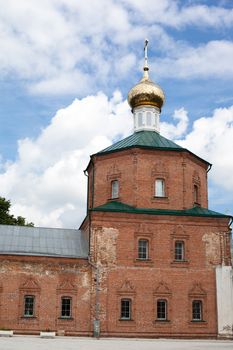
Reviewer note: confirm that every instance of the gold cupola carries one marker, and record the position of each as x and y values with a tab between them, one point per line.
146	100
146	92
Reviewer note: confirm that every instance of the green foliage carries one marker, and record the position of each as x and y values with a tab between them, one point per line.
7	219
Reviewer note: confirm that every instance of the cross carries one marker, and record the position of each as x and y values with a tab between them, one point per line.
145	48
146	68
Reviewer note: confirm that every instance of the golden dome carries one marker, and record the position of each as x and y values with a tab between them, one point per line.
146	93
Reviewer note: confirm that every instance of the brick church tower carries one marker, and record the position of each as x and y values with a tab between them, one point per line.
149	260
154	244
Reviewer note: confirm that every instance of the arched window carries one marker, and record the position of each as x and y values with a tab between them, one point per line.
66	307
197	310
159	188
143	249
179	251
115	189
125	309
161	309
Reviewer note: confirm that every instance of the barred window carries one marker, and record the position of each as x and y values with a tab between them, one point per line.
66	307
179	250
125	309
29	304
161	309
197	310
115	189
143	246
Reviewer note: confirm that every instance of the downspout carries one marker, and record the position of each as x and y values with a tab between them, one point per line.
209	167
96	324
92	197
86	174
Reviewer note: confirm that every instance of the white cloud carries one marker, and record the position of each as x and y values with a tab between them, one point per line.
46	184
213	59
212	139
172	131
69	46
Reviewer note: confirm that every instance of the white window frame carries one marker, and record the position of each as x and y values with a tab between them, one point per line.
165	311
115	189
129	301
200	310
143	249
159	187
179	251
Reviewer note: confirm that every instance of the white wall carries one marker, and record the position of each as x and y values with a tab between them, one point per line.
224	281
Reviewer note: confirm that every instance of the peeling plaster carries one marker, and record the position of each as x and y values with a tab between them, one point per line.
212	247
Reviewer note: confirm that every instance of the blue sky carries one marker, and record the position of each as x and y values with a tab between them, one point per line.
66	67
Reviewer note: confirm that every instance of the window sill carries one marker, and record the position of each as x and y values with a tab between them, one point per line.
180	263
143	262
126	319
114	199
163	321
160	199
28	317
66	318
198	324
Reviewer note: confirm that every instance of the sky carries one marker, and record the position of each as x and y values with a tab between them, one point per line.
66	67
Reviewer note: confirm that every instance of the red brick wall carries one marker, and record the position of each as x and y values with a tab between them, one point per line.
136	171
114	248
47	280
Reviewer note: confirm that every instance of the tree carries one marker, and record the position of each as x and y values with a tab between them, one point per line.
7	219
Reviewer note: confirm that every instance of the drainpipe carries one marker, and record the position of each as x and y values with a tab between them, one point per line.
87	175
209	167
96	322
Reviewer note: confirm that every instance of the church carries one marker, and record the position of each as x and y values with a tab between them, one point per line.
150	259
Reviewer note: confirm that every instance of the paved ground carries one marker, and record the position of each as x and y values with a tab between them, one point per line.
70	343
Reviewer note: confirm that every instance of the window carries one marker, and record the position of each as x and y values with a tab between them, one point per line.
161	309
197	310
140	122
66	307
143	246
148	118
196	194
159	188
179	251
29	303
125	309
115	189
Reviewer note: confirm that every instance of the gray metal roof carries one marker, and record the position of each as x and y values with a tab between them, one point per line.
56	242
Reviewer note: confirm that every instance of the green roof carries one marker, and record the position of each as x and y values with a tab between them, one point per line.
144	139
147	140
125	208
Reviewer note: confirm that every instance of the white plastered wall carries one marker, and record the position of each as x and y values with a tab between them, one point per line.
224	282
